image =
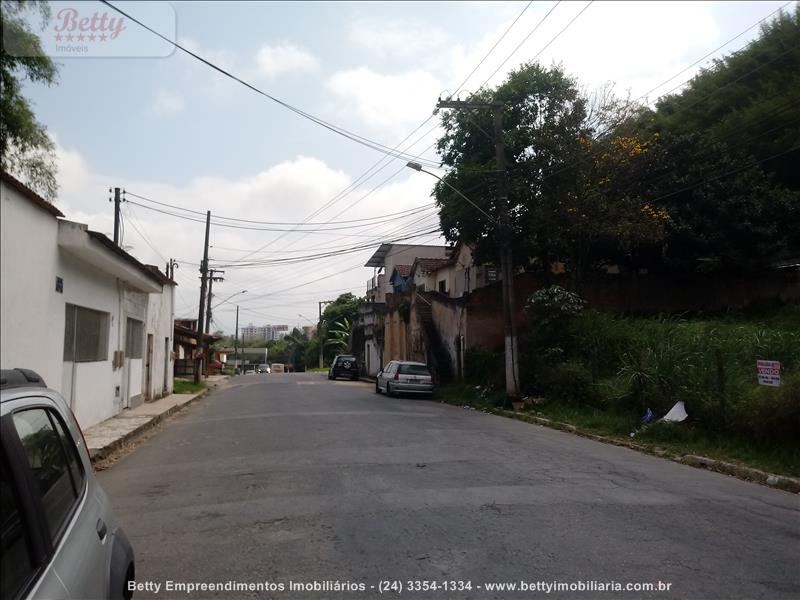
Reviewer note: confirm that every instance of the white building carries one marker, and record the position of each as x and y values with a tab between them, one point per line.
387	256
263	333
87	316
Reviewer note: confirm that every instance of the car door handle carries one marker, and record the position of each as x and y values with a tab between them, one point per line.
101	529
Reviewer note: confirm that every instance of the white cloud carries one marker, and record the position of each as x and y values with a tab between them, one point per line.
286	191
167	103
391	104
274	61
401	38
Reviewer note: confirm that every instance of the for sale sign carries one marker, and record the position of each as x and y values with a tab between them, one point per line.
769	372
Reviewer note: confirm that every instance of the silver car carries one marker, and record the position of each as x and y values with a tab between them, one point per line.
60	538
404	377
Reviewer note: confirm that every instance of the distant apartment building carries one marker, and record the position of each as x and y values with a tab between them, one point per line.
263	333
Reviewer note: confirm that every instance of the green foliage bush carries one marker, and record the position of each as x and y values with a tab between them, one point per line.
570	382
628	364
484	367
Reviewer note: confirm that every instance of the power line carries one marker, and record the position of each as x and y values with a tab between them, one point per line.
327	125
366	175
702	58
500	39
220	217
542	20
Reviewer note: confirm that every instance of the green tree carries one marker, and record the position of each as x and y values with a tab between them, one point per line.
296	345
749	99
342	310
562	202
26	150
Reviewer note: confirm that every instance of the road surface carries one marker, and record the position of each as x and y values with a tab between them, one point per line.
290	479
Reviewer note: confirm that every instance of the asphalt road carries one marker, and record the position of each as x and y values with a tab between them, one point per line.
291	478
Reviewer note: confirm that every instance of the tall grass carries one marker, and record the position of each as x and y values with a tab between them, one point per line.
633	363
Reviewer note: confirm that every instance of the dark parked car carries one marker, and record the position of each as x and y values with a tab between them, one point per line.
344	365
60	538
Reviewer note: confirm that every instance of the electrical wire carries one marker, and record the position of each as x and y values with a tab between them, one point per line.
514	51
359	139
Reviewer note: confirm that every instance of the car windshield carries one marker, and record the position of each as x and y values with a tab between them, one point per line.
414	370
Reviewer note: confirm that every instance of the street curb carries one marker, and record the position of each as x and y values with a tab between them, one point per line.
782	482
109	449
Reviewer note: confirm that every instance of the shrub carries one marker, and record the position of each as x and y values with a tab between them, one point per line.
484	367
570	382
551	311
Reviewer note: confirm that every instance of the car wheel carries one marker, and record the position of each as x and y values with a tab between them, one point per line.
127	592
389	391
377	387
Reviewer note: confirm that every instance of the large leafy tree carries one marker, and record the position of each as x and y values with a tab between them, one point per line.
563	160
25	147
705	181
749	99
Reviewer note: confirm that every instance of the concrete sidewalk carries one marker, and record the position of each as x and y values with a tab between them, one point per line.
111	434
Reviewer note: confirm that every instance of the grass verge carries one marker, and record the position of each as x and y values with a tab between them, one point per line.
184	386
658	438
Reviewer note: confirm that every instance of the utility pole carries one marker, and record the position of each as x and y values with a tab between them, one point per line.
319	328
203	275
504	231
236	343
212	277
117	201
171	266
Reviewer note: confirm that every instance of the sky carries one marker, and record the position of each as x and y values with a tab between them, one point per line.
174	131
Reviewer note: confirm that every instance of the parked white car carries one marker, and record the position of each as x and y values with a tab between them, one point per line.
404	377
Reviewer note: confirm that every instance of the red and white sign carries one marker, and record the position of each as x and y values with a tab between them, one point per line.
769	372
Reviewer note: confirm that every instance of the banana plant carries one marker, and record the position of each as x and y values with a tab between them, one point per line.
339	334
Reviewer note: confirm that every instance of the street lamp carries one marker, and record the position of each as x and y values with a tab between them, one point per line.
228	298
418	167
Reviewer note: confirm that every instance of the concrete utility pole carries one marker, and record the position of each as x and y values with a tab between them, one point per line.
200	319
117	201
504	231
171	266
236	343
212	277
319	329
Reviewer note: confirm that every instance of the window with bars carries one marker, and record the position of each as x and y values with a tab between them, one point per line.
85	334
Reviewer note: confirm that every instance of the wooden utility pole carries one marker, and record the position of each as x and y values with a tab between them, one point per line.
504	233
200	318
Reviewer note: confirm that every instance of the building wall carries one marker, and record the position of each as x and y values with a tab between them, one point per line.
34	313
400	254
93	389
160	309
31	335
450	319
649	294
396	345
